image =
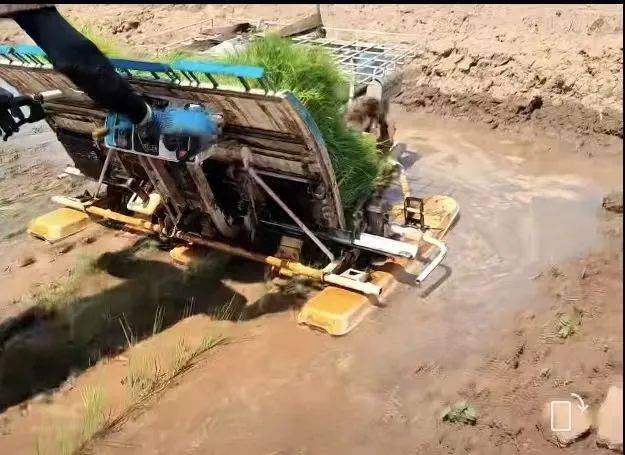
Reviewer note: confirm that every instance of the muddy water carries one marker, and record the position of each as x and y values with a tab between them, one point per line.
519	217
525	206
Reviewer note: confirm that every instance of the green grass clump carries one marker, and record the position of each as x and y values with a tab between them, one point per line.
311	74
104	42
61	295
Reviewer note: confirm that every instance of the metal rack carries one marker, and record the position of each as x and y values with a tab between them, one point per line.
365	61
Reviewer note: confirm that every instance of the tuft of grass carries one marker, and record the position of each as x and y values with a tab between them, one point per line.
182	354
149	375
93	401
187	311
229	311
567	325
157	326
71	442
210	342
64	294
144	373
460	412
131	338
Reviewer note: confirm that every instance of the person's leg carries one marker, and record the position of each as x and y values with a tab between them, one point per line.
82	62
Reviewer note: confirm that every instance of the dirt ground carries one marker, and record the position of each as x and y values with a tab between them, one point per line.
558	68
532	254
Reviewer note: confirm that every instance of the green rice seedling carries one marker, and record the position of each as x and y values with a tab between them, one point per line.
146	379
158	320
93	401
227	311
209	342
104	42
131	338
182	354
63	294
187	311
144	374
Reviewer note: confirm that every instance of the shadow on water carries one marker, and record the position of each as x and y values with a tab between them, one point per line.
41	347
408	158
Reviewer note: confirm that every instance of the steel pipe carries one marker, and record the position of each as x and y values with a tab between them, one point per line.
286	267
442	251
245	154
290	267
106	213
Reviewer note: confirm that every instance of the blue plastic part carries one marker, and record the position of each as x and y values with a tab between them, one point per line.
174	121
115	122
196	122
138	65
252	72
29	49
190	66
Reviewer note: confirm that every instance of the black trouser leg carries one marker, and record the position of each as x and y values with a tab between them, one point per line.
82	62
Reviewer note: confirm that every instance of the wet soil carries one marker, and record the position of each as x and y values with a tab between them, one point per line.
532	243
383	387
528	208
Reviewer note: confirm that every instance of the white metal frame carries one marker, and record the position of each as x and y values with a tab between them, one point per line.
363	60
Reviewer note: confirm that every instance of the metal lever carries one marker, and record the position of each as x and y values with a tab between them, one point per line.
245	154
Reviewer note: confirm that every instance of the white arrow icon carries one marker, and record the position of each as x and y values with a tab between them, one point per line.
582	407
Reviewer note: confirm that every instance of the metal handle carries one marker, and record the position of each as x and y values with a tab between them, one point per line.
436	261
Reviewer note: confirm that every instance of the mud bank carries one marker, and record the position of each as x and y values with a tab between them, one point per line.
539	111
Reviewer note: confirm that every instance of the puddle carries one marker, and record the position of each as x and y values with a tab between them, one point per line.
556	229
519	215
511	220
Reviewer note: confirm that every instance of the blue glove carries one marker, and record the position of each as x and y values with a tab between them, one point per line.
191	122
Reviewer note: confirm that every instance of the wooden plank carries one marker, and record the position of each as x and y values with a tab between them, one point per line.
32	80
277	148
302	26
73	123
296	167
